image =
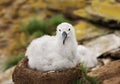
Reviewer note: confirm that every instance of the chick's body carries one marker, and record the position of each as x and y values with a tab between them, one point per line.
48	53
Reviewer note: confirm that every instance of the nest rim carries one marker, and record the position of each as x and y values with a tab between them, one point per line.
23	73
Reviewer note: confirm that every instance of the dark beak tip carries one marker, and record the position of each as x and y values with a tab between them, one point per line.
64	35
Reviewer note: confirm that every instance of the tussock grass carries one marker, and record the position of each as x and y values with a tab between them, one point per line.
85	79
48	26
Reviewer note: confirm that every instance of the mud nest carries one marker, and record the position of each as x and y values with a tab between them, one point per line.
24	75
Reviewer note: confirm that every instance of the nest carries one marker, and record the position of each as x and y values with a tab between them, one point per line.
24	75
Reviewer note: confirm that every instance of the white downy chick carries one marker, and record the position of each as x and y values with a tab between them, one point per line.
52	53
86	56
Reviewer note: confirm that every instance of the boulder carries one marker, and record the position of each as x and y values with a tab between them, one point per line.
115	54
24	75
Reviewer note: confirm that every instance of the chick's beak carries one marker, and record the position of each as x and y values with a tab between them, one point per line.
64	36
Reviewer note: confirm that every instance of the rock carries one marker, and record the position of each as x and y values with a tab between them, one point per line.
64	5
3	43
6	77
117	32
85	30
6	2
115	54
104	10
104	44
24	75
102	15
108	74
20	2
113	80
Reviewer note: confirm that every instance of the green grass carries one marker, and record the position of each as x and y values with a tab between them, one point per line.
57	19
12	61
85	79
33	26
84	69
48	26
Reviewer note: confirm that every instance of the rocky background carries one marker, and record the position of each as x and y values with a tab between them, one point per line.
96	23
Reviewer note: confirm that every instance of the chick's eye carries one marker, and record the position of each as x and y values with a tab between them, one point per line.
69	29
59	29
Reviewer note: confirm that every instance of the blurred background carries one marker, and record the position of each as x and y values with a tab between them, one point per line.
23	20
